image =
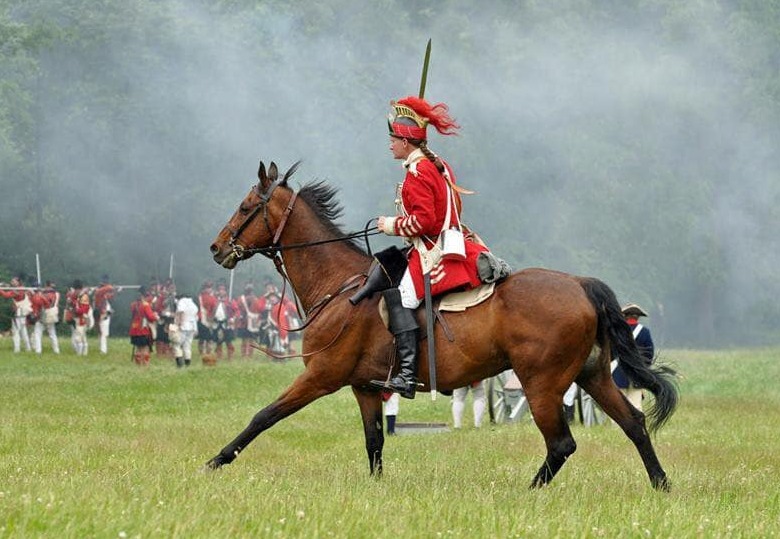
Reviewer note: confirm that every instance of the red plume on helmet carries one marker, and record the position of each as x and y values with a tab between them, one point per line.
438	115
423	114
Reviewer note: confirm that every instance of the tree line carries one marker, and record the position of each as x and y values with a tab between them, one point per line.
634	141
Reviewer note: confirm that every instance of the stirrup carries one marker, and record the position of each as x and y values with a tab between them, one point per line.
407	390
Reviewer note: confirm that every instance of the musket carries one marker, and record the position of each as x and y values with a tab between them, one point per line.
427	276
123	286
22	288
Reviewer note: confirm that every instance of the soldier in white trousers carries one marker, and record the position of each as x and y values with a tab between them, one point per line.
459	403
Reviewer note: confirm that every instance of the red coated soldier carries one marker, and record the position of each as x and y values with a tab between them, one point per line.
142	319
104	294
82	317
207	305
22	307
225	314
428	210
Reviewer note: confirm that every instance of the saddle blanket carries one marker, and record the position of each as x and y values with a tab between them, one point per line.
453	302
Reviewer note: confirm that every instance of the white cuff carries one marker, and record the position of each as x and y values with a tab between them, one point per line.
389	226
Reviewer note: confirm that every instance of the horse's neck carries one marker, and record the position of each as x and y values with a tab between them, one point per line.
313	275
318	270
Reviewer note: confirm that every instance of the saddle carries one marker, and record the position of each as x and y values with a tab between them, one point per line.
453	302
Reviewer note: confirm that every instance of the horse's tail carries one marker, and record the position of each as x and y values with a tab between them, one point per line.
613	331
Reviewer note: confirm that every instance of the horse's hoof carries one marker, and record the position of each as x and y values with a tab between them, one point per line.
662	484
214	464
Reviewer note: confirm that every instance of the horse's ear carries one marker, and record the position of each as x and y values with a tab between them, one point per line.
290	172
261	174
273	172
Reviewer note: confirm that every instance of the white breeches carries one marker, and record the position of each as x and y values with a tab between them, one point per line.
459	404
37	340
79	340
408	293
182	347
104	326
19	333
392	404
571	393
634	396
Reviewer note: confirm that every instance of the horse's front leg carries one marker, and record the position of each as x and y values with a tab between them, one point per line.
304	390
370	403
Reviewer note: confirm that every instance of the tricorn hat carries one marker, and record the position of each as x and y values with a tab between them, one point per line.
632	309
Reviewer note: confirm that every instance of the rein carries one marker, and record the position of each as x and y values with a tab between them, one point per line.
316	309
274	250
240	252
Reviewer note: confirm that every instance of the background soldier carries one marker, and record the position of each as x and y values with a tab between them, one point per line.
207	303
103	311
51	315
22	307
82	316
142	320
248	322
225	321
165	307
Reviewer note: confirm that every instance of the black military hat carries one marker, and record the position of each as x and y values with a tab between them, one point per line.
632	309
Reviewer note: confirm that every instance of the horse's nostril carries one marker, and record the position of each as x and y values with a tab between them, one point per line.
214	248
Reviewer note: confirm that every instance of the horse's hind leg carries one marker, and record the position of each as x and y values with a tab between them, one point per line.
547	409
632	421
371	412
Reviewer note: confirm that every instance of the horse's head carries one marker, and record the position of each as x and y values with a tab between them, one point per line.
255	223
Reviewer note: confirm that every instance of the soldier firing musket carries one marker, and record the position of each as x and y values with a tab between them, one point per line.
104	293
79	314
22	307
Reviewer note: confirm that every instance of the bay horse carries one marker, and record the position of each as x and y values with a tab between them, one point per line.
543	324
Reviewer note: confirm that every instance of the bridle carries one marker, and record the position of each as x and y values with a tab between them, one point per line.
239	251
272	251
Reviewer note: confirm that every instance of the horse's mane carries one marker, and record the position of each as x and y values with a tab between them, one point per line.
321	198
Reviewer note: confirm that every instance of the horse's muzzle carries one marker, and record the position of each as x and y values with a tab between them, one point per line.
224	257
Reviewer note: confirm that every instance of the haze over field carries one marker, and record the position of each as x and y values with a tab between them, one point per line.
633	141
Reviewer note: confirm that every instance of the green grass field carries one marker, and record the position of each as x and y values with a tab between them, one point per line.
96	447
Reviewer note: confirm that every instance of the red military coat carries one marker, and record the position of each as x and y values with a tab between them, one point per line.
103	294
142	315
39	304
424	199
80	308
207	303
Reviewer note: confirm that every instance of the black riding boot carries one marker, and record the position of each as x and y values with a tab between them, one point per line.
385	273
404	326
179	362
376	281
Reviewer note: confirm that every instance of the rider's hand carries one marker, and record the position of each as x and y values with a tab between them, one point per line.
385	224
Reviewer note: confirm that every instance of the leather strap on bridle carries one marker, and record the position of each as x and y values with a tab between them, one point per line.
316	309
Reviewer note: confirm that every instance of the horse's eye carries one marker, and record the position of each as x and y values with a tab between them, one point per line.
243	210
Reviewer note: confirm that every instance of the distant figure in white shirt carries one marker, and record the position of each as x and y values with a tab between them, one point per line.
184	329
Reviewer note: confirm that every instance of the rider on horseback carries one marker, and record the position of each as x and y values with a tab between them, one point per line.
428	204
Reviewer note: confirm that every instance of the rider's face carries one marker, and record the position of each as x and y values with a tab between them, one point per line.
400	147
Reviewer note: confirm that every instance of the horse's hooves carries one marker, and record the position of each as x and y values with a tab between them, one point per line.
662	484
213	464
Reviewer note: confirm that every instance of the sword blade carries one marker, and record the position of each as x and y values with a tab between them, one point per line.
429	334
